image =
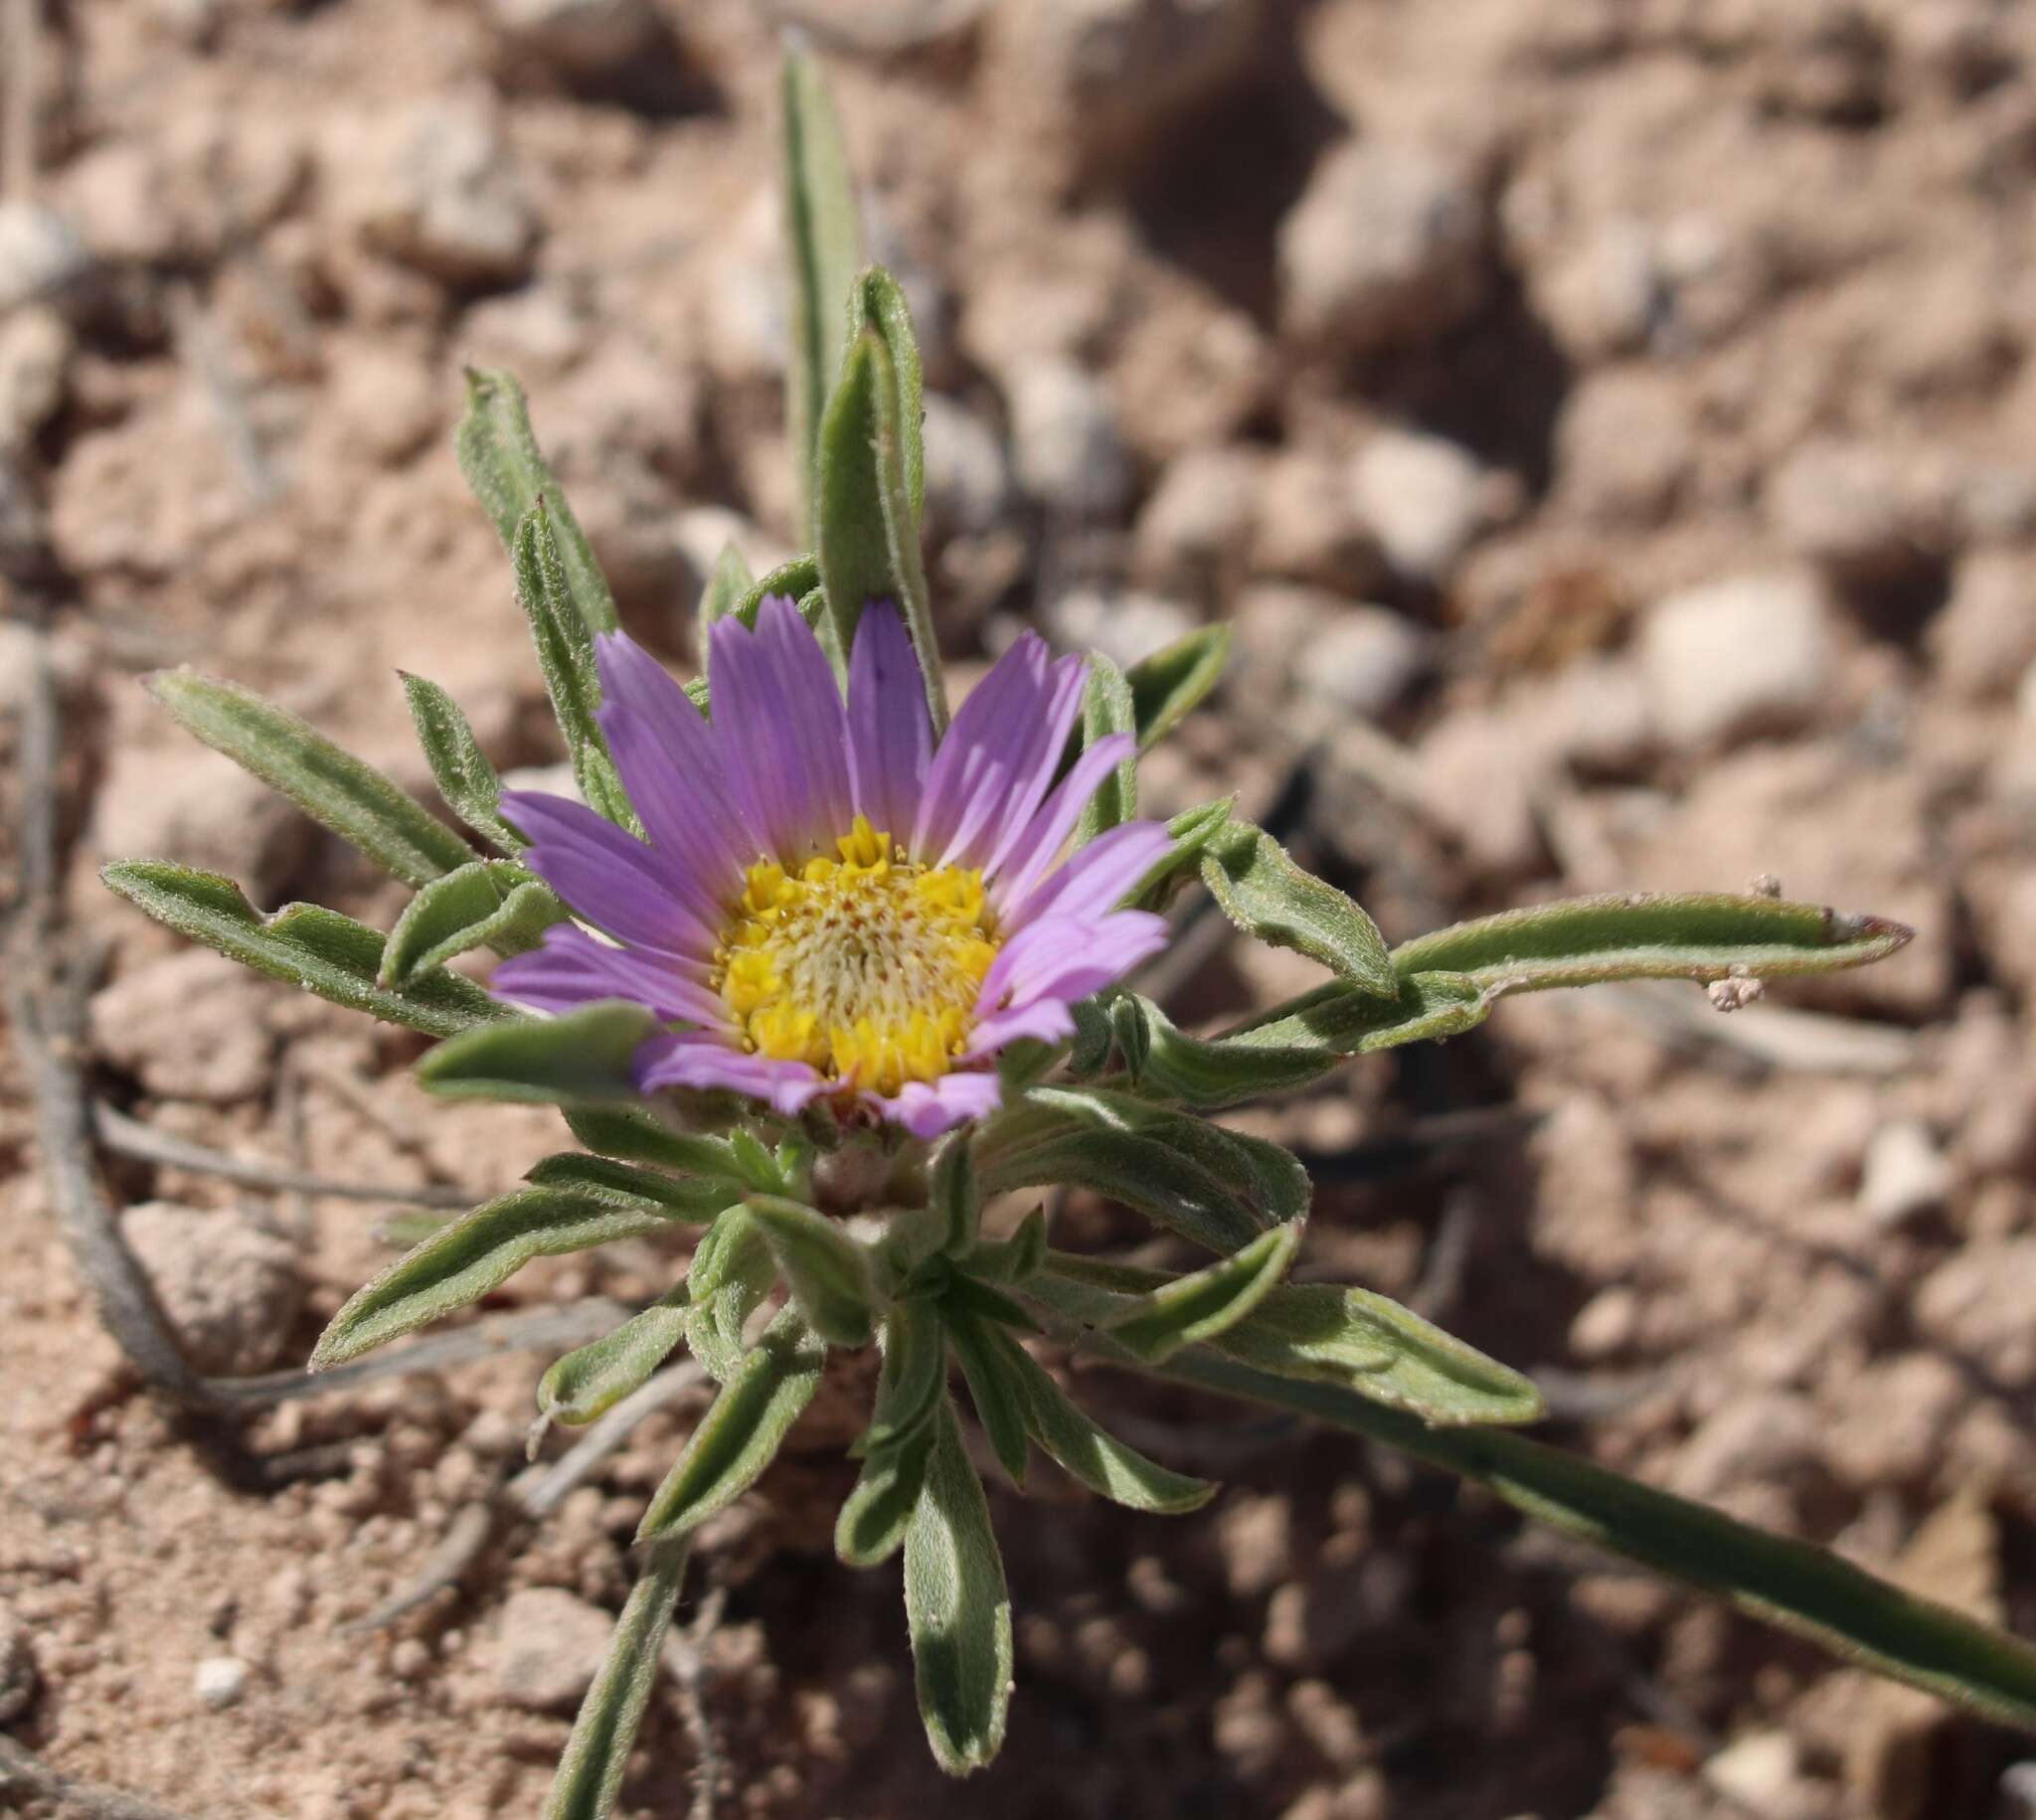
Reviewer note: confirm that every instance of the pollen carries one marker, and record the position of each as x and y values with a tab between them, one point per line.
867	967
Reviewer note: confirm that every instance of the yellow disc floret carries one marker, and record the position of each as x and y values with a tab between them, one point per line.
867	967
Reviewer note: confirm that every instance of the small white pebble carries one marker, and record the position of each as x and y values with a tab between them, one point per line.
1736	993
219	1681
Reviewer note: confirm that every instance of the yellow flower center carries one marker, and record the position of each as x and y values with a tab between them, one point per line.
867	967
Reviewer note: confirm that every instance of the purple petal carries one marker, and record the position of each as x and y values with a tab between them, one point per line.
1037	769
971	775
573	968
1042	1021
782	730
710	1066
890	732
613	879
1094	880
1047	832
926	1108
1061	958
690	831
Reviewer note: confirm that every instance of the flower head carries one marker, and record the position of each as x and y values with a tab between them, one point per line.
829	904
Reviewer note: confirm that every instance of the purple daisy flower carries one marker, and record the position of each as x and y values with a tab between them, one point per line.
830	906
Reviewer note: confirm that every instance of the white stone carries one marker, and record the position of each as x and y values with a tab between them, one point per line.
547	1649
1606	295
1200	512
1761	1773
1364	660
1984	635
1748	654
1424	498
41	254
1904	1173
36	345
220	1682
1124	627
230	1289
1065	439
968	479
1847	506
1386	247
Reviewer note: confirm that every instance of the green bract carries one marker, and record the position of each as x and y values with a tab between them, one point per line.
807	1236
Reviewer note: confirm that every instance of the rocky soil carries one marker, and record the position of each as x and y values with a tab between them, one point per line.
1608	426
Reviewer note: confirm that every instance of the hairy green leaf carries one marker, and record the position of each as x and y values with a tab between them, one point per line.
877	1512
827	1272
593	1378
590	1777
337	790
733	1270
953	1192
1193	833
957	1608
636	1134
476	1253
1218	1188
993	1387
1643	936
1168	686
485	904
725	588
914	1375
1200	1306
627	1186
741	1434
498	454
1107	709
304	943
1273	901
460	768
573	1059
1012	1259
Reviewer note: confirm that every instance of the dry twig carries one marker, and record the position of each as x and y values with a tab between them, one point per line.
23	1773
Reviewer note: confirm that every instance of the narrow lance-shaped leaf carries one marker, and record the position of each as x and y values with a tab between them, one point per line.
460	768
1168	684
953	1192
993	1389
957	1608
827	1272
1206	1303
337	790
733	1270
1012	1259
1191	834
590	1775
1642	935
636	1134
729	582
578	1057
590	1380
485	904
564	654
1107	709
498	454
1802	1588
878	1511
1090	1454
601	1178
476	1253
741	1434
304	943
1273	901
823	236
915	1371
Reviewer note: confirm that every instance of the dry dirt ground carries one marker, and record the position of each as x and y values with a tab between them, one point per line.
1607	426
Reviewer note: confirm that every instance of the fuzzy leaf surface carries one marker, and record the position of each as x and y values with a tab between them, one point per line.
827	1272
578	1057
1207	1302
1106	708
484	903
590	1380
993	1387
1170	684
636	1134
913	1374
459	767
626	1186
1273	901
878	1511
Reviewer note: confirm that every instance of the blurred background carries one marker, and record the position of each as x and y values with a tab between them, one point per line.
1606	426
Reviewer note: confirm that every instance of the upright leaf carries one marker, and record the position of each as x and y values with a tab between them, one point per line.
304	943
1273	901
1645	935
733	1270
590	1775
957	1608
827	1272
1200	1306
993	1387
725	588
578	1057
499	455
624	1185
484	903
913	1374
878	1511
741	1434
823	236
1167	686
476	1253
952	1191
1106	708
636	1134
336	790
460	768
590	1380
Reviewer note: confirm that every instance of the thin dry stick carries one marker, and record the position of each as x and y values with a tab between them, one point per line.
685	1658
21	1772
199	343
130	1137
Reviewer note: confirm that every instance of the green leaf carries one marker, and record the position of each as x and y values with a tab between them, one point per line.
1167	686
957	1608
564	654
1321	1332
636	1134
461	770
1012	1259
593	1378
877	1512
485	904
304	943
1098	1459
1217	1188
1107	709
914	1375
1192	833
827	1272
624	1185
336	790
590	1772
993	1387
573	1059
1799	1587
952	1191
741	1434
1273	901
725	590
1715	935
499	456
1291	1044
969	1295
733	1270
477	1252
1198	1307
794	579
824	233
